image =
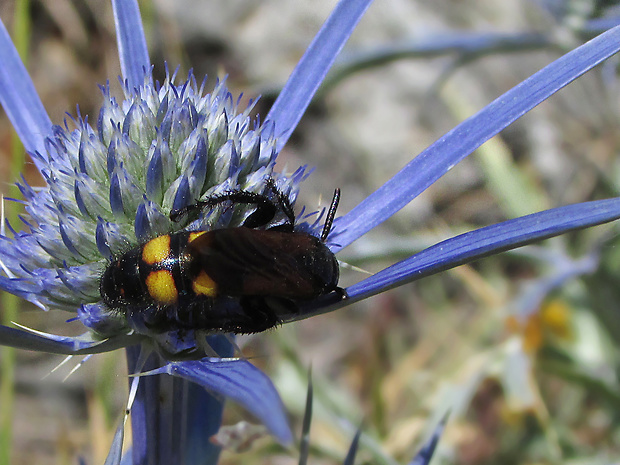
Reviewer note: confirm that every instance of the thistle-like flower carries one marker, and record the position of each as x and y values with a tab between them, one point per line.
112	186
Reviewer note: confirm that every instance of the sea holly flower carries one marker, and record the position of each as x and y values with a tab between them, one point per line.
113	184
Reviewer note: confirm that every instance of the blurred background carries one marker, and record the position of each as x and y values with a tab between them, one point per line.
521	348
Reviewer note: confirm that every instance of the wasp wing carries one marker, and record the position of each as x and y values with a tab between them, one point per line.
250	262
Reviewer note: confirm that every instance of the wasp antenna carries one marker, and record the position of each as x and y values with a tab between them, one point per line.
331	213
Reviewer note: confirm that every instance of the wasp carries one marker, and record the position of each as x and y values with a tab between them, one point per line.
240	280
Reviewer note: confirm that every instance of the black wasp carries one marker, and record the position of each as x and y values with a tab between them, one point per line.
240	280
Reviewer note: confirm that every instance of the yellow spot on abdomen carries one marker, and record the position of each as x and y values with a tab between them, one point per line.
161	287
204	285
195	235
156	250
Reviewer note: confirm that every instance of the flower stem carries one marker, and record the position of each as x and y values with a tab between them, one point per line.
10	302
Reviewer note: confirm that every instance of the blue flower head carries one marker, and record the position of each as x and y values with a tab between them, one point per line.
111	187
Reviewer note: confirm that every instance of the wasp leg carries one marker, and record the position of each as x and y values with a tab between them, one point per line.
265	211
260	314
342	292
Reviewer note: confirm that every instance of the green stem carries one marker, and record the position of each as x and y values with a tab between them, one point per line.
9	302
